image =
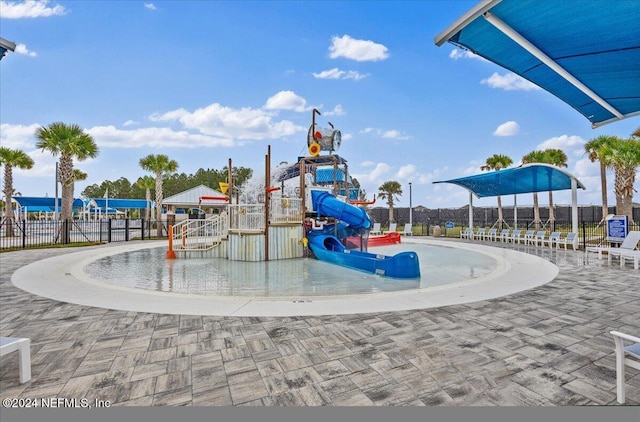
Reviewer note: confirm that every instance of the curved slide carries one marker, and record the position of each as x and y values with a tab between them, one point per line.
328	248
402	265
329	206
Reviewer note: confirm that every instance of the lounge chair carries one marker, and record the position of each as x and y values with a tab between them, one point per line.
376	229
467	233
504	235
515	236
479	234
392	228
630	243
529	236
569	240
554	237
632	255
539	237
23	347
491	234
625	356
407	231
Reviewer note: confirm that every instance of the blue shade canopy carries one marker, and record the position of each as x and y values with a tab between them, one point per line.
44	203
585	52
524	179
129	204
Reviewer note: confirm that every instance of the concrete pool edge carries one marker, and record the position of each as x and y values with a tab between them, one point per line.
62	278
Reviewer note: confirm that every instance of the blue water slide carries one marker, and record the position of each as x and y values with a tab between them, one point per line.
328	205
329	249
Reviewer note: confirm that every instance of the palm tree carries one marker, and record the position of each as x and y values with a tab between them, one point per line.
555	157
11	158
391	191
636	133
494	163
69	142
147	183
623	155
594	148
160	165
535	157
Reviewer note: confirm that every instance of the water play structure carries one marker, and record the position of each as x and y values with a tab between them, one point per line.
310	208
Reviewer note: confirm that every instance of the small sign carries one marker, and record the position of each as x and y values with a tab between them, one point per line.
448	225
617	228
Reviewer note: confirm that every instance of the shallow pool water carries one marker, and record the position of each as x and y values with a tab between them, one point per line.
149	269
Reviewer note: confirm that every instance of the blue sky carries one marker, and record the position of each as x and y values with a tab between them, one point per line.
205	81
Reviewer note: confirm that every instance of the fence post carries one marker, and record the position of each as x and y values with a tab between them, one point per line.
24	233
142	228
126	229
584	235
108	230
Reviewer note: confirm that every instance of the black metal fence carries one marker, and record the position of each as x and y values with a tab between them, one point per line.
23	234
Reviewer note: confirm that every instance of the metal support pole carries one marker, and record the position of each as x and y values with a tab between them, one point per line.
410	206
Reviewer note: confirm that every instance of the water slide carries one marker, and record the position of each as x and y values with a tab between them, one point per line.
328	205
327	247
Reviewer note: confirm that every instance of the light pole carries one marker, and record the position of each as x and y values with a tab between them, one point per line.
410	206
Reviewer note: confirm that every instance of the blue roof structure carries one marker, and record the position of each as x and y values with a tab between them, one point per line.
587	53
43	203
523	179
123	204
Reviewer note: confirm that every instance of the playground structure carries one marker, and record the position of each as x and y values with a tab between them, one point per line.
318	215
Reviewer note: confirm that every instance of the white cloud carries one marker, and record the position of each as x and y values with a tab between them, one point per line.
18	136
373	177
229	123
29	9
509	82
155	137
150	6
407	172
130	123
336	73
286	100
337	111
569	144
509	128
367	163
359	50
22	49
387	134
457	53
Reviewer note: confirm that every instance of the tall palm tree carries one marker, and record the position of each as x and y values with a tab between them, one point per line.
69	142
11	158
147	183
555	157
160	165
535	157
594	148
636	133
391	191
493	163
623	156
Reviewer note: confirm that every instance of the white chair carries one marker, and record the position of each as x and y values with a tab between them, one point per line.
554	237
392	228
628	244
491	234
504	235
625	356
23	347
407	231
515	236
569	240
466	233
632	255
539	237
479	234
376	229
529	236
